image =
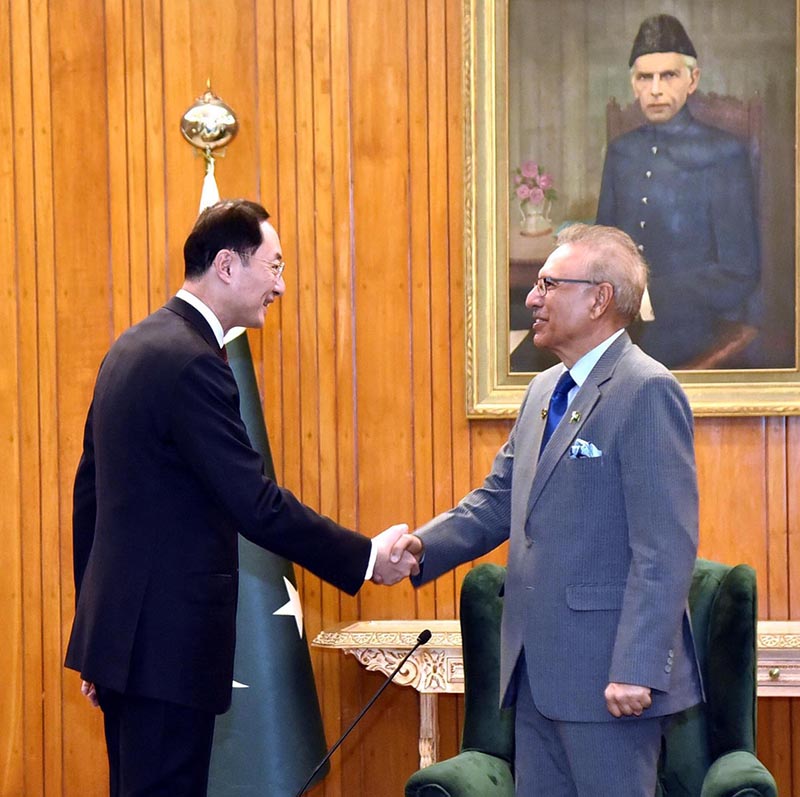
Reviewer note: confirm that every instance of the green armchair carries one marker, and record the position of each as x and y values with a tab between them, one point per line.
709	750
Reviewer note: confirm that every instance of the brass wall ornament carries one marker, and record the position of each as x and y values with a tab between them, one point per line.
209	124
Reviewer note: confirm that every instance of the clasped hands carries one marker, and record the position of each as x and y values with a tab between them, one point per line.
398	555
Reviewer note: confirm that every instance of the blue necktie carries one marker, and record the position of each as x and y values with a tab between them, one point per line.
558	406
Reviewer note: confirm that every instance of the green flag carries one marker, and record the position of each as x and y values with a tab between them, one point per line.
272	737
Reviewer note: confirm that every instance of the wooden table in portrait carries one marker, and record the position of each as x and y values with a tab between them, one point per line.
526	255
438	668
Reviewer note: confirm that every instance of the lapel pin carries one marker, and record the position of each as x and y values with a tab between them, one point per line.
544	413
575	417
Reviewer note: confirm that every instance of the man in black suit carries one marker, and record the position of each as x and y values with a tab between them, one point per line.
167	480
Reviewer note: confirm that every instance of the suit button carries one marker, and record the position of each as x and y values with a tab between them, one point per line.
642	224
528	542
654	150
640	247
667	668
644	200
648	174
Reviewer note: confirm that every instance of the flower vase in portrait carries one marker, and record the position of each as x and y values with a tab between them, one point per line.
533	189
535	219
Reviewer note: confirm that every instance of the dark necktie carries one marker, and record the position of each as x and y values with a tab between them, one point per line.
558	406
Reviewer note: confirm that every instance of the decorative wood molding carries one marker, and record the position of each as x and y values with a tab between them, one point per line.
380	645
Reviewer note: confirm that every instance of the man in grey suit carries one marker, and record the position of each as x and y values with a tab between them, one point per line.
597	649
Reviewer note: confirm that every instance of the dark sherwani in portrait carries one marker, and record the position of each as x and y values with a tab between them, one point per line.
684	192
167	480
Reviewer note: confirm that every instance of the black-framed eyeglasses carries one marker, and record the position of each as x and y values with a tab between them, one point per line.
543	284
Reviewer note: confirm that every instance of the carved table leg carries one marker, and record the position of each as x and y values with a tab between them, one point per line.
428	729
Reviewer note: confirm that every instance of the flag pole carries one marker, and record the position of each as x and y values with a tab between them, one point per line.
272	736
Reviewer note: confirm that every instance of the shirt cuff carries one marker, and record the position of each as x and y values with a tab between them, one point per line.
373	555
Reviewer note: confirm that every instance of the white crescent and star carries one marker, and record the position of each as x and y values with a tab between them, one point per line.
292	607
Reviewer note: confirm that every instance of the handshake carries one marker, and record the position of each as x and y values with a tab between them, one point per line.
398	555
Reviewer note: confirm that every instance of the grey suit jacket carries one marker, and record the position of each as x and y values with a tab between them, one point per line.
601	549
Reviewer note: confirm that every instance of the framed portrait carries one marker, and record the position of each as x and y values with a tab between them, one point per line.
557	132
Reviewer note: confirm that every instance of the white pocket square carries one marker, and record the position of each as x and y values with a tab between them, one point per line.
582	449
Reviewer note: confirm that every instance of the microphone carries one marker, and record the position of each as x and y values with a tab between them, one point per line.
421	640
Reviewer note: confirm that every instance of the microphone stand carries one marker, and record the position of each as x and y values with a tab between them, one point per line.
421	640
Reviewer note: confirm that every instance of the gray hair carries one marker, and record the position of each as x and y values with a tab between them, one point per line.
611	256
689	61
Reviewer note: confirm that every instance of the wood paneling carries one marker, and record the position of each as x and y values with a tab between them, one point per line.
351	134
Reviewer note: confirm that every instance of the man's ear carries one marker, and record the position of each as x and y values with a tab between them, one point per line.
695	80
222	264
602	299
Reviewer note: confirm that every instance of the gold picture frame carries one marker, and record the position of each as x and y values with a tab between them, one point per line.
493	390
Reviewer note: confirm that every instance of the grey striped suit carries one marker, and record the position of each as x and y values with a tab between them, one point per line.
601	549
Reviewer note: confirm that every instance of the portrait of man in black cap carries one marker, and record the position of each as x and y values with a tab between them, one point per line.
683	190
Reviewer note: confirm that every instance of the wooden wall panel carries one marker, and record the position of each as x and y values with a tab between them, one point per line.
75	308
12	653
351	134
383	307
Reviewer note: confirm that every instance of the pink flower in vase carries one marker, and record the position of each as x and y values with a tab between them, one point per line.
532	188
545	181
536	196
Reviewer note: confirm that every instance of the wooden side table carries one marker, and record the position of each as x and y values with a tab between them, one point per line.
438	667
778	658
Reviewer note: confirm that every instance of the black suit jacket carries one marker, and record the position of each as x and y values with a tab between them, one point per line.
166	481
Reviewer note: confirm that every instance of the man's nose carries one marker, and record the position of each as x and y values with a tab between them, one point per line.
280	286
533	299
655	86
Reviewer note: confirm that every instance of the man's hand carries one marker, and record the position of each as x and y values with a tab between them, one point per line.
410	543
394	560
626	700
88	691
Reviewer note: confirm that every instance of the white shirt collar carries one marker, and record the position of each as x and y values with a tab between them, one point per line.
206	312
581	370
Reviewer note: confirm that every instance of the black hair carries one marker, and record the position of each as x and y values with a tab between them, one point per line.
233	224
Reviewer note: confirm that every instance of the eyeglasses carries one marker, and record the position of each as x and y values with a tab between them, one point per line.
275	266
544	284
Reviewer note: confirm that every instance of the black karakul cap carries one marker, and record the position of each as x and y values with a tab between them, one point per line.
661	33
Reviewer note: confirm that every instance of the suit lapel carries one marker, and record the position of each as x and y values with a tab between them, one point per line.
195	318
577	415
529	438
